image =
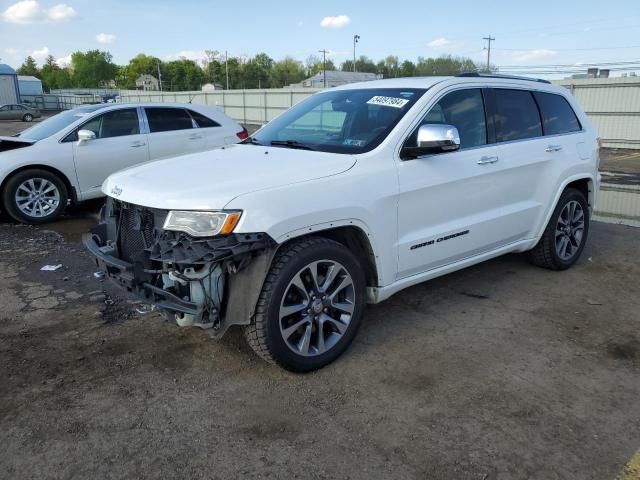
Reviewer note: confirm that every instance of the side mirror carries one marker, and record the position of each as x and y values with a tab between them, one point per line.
85	136
433	138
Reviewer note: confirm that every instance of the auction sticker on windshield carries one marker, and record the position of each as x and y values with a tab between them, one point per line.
388	101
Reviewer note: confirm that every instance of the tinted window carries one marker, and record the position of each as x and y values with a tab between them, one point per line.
202	121
6	108
557	114
464	109
516	116
168	119
114	124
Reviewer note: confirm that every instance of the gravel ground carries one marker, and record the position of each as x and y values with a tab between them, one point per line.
500	371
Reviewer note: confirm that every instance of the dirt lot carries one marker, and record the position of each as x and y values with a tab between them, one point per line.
500	371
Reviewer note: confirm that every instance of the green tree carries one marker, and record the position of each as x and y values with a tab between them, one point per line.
138	65
363	64
182	75
444	65
29	67
286	72
92	68
256	72
407	69
315	65
48	73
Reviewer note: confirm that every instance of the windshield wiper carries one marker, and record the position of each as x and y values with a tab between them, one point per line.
251	141
291	144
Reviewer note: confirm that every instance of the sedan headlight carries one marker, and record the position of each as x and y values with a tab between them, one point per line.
202	224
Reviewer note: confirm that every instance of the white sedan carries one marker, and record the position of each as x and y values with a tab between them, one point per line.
68	156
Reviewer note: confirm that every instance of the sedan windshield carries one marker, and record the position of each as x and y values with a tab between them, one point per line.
58	122
339	121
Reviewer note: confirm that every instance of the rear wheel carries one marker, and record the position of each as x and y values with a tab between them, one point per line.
35	196
27	118
566	234
310	306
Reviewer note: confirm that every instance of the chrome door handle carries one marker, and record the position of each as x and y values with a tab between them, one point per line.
138	144
553	148
486	160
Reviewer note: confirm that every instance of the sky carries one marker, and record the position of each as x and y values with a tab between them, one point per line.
559	32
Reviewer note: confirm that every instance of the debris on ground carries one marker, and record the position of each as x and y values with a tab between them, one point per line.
51	268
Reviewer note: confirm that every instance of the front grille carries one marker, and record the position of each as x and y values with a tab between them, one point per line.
135	232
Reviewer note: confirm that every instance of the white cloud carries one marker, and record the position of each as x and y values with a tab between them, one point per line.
535	54
64	61
105	38
30	11
11	51
439	42
60	13
40	55
338	21
26	11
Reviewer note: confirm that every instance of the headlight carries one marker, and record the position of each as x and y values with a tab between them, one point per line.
202	224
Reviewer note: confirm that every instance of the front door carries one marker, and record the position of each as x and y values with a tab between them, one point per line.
118	144
451	204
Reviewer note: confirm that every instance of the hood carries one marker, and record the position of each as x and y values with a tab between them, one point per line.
11	143
210	180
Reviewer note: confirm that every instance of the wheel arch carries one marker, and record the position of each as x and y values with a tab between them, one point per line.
67	183
584	183
348	233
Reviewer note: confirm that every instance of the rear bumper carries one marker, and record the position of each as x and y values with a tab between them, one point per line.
122	274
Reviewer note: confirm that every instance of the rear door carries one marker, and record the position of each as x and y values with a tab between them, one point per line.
526	162
118	144
214	133
172	132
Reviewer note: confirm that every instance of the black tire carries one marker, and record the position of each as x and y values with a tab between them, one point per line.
27	118
264	334
14	182
545	254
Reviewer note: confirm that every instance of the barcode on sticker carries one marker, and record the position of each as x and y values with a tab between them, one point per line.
388	101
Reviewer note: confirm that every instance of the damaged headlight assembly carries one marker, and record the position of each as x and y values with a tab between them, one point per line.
202	223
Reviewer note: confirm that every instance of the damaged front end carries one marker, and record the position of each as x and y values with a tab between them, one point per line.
209	282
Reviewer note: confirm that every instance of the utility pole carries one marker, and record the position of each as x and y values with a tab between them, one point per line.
324	66
226	67
355	40
159	77
489	39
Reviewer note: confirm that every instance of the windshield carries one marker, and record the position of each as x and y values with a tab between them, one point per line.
339	121
54	124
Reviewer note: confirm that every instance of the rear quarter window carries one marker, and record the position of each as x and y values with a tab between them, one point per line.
557	115
203	121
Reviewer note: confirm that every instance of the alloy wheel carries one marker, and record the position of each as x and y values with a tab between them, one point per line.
37	197
569	230
317	307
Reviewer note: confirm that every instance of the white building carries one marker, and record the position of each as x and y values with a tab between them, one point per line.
147	82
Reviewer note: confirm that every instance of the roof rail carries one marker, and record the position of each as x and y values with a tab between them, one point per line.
498	75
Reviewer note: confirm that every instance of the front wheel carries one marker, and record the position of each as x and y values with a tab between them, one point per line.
35	196
310	306
566	234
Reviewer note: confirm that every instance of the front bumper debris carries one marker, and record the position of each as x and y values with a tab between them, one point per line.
195	281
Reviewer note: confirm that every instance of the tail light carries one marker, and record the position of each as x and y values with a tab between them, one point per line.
242	134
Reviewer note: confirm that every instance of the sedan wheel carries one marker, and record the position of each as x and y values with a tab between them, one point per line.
28	117
37	197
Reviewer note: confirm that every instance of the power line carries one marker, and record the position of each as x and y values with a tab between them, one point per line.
568	49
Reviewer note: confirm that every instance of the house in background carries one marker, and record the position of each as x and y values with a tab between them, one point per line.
335	78
148	83
29	85
9	92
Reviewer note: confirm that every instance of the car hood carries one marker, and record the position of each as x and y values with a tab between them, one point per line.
11	143
210	180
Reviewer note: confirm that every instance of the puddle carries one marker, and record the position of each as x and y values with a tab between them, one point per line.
77	221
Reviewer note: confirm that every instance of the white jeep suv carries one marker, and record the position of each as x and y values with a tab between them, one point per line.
347	198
